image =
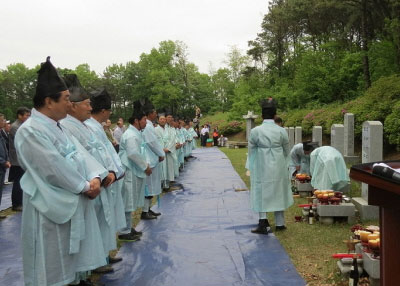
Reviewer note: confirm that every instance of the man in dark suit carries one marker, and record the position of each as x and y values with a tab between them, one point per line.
4	161
16	171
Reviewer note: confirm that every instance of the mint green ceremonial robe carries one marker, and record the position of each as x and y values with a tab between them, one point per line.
268	164
298	158
104	204
328	169
133	158
153	150
167	140
194	137
98	130
60	232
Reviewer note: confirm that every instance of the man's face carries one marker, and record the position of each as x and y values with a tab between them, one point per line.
60	108
152	116
120	122
82	110
24	117
2	121
108	123
169	119
7	127
162	120
142	123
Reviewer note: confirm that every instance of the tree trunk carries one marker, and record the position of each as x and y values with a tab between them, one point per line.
364	44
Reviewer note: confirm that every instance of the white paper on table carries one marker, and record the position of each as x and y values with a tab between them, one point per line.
385	165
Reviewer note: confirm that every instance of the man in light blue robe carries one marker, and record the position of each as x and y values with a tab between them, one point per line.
194	135
60	232
182	142
154	156
328	169
268	164
300	158
136	169
100	102
79	112
167	141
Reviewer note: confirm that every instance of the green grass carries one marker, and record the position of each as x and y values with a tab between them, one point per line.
310	247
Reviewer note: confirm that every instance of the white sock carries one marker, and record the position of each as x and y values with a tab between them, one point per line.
146	206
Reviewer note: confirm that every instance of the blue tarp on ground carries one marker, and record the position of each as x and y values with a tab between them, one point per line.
203	236
10	251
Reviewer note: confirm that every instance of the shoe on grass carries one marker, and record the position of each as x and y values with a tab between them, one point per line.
104	269
129	237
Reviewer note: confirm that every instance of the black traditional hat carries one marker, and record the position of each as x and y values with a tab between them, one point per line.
268	103
137	110
168	111
100	100
309	146
148	106
162	112
76	91
49	82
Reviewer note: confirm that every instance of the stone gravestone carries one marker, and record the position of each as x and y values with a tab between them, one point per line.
291	137
287	131
298	135
337	137
317	135
250	117
349	139
372	151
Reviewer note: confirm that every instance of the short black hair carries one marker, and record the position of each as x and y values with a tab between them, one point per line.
23	110
39	101
268	113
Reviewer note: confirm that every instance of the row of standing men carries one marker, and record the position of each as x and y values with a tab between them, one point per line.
78	192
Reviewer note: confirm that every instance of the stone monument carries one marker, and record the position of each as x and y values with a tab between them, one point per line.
298	136
349	156
337	137
372	151
317	135
250	118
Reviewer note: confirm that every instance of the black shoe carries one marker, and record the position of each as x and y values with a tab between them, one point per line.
17	208
104	269
129	237
86	283
147	216
262	228
112	260
135	232
280	227
154	213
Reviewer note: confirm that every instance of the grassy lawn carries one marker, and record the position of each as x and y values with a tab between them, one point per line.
309	246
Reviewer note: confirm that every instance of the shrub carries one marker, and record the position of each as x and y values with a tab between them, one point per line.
232	127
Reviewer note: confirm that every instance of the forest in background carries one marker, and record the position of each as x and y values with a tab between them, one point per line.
318	58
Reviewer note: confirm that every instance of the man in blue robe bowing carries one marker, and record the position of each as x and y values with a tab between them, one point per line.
60	232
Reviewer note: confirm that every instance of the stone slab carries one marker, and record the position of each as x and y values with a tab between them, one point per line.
346	268
367	212
344	209
303	187
371	265
352	159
